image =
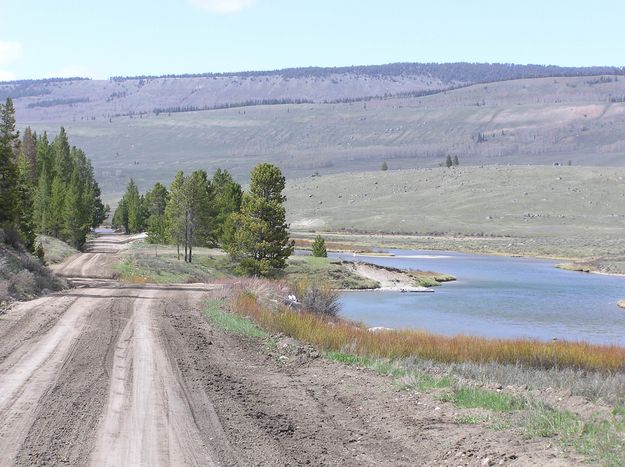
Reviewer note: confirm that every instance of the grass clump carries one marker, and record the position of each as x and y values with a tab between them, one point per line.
230	322
601	441
474	398
470	420
545	421
430	279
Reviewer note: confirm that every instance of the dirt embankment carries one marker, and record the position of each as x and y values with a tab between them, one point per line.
389	279
123	374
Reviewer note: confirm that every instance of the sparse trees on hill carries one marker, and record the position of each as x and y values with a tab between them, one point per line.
448	161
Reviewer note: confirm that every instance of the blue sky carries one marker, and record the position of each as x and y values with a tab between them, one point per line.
44	38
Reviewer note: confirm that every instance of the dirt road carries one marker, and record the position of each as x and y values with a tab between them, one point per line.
119	374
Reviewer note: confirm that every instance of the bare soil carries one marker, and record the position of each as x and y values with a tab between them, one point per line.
390	280
123	374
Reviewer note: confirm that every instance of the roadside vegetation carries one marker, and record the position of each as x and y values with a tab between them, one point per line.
22	275
55	250
533	402
337	335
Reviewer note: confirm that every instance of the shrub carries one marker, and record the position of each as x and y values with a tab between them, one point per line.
318	297
40	253
23	284
11	238
319	247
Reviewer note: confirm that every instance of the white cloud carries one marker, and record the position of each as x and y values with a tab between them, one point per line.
7	76
222	6
10	51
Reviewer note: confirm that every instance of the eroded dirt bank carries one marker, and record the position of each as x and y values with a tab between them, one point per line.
122	374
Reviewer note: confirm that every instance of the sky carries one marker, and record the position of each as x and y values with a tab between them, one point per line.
100	39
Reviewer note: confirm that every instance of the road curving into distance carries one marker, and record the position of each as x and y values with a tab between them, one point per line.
117	374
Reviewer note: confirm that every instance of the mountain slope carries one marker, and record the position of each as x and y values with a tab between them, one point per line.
78	99
531	121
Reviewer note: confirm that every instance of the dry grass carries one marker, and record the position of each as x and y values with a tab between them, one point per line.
338	335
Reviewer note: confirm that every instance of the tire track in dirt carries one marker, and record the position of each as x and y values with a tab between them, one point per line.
147	420
67	415
29	371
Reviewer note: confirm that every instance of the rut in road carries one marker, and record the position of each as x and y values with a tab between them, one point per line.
148	420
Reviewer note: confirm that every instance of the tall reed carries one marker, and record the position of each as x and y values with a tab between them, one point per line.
339	335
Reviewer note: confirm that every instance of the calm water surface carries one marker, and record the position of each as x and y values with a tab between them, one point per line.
496	297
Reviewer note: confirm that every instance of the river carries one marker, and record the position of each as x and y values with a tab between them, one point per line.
495	296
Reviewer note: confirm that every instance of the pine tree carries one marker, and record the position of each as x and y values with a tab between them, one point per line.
45	157
42	204
76	220
120	216
155	205
132	200
384	166
156	200
24	221
456	162
57	206
260	242
319	247
175	213
8	171
448	161
63	166
197	211
227	196
29	150
8	134
8	185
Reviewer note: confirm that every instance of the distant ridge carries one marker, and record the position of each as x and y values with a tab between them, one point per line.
446	72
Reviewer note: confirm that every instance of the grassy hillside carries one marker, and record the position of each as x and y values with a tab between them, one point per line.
562	211
533	121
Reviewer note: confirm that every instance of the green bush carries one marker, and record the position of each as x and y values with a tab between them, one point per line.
319	247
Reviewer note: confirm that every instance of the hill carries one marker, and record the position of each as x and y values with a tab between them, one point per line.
529	121
574	212
79	99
